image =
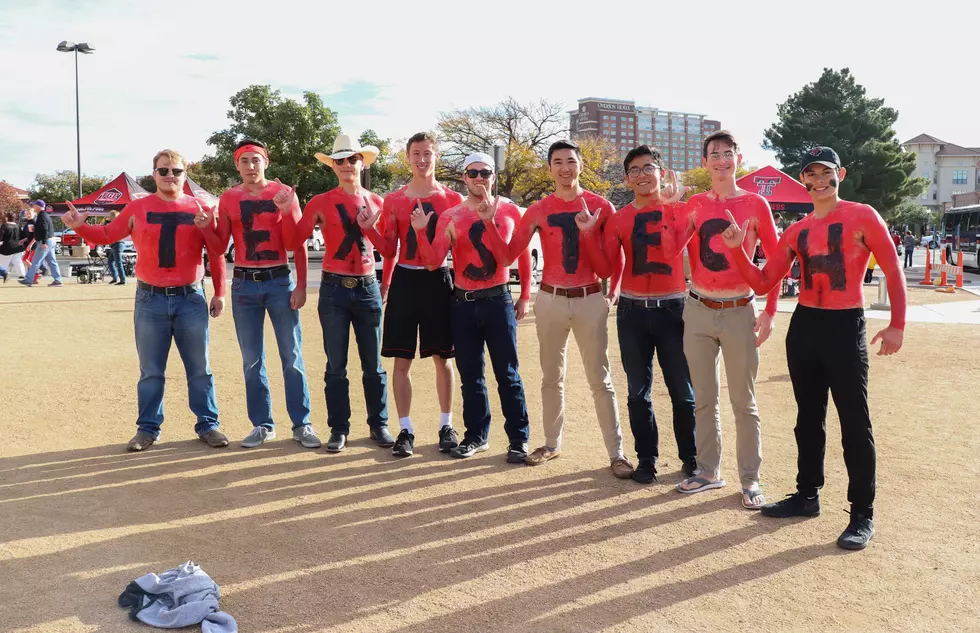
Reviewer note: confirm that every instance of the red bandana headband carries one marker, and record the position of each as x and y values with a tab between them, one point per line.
251	148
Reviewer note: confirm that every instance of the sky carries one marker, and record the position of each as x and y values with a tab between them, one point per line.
163	72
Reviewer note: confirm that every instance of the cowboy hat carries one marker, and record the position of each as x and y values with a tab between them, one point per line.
344	146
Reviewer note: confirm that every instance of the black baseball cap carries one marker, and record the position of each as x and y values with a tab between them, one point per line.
822	155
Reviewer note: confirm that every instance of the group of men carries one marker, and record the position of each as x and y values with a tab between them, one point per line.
432	313
33	243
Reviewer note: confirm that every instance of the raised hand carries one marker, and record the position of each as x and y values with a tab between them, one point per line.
72	218
891	340
586	220
734	235
420	219
204	218
367	217
672	191
284	197
487	208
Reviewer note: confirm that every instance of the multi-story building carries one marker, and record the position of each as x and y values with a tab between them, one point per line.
950	169
678	135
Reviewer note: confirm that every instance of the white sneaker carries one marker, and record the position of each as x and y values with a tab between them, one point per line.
258	436
306	435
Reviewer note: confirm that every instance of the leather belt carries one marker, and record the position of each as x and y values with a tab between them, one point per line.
651	303
260	274
486	293
571	293
332	279
715	304
170	291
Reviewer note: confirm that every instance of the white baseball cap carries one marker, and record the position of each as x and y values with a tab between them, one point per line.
479	157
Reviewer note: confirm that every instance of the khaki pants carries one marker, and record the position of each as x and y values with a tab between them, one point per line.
586	317
730	330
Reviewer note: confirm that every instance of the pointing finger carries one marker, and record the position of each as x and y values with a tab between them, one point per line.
731	218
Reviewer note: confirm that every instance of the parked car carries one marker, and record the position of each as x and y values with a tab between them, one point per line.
926	241
69	239
57	243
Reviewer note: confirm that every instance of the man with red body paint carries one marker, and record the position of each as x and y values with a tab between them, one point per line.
720	315
349	294
650	313
569	300
170	302
418	306
826	346
260	215
483	312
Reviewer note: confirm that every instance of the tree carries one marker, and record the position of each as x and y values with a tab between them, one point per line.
699	178
909	214
9	202
526	130
292	131
835	111
62	186
382	171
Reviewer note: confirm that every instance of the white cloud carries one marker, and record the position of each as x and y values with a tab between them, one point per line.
162	73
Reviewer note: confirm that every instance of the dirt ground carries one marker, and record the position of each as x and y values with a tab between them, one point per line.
305	541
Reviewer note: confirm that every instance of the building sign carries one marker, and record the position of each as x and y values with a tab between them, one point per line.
619	107
766	184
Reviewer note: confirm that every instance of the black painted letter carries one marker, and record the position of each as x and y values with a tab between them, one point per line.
831	264
642	239
249	209
430	231
489	264
569	239
352	235
167	246
710	259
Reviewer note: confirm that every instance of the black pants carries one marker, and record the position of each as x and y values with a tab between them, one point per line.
827	351
908	257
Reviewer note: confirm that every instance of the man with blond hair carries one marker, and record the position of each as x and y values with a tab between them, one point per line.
170	301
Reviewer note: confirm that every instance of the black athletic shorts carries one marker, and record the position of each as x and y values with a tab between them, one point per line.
418	311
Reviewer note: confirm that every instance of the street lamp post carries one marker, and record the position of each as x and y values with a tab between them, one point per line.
85	49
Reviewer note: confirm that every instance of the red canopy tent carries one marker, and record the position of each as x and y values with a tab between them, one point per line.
191	188
784	193
112	197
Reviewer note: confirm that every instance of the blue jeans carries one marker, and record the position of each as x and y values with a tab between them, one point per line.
116	263
45	254
250	300
489	321
644	331
158	320
339	309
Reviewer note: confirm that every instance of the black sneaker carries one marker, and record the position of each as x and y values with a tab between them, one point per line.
448	440
404	445
382	437
690	468
794	505
645	472
859	531
516	453
469	448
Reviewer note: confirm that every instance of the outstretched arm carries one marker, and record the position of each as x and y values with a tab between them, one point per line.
434	254
506	252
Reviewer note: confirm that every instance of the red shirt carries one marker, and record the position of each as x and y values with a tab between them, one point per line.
169	247
639	232
834	253
475	264
566	260
255	223
346	252
712	266
398	237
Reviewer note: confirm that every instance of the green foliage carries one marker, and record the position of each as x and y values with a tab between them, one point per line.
62	186
910	213
292	131
835	112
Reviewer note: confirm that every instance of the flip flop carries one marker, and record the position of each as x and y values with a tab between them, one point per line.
703	484
755	499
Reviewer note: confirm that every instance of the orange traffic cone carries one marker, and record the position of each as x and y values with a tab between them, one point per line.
928	280
959	271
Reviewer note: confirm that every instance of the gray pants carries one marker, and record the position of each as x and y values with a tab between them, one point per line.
729	330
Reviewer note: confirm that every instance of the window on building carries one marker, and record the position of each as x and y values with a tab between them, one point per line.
605	116
925	174
925	196
959	176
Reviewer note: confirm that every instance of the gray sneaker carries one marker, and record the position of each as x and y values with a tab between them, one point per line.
306	435
258	436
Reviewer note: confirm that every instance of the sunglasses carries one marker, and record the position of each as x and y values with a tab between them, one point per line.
351	160
482	173
164	171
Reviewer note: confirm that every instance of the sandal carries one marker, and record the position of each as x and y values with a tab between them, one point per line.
541	455
752	498
702	484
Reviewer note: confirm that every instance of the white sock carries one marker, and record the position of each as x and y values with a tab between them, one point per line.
446	419
406	424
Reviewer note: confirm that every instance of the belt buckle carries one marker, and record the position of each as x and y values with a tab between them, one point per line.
255	275
170	291
348	282
468	295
